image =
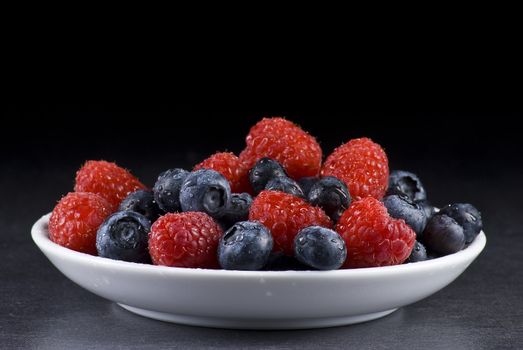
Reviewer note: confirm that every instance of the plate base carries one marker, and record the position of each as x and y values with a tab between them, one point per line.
234	323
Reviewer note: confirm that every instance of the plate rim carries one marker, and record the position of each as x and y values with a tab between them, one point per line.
40	235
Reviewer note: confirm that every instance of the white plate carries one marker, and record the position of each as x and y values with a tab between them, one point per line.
256	299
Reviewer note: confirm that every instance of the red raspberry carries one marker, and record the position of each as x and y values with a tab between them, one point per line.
284	141
187	239
362	165
107	180
373	238
230	167
285	215
75	220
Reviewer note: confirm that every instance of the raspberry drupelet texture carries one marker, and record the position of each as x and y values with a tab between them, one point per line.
279	139
187	239
229	165
362	165
372	237
285	215
75	220
107	180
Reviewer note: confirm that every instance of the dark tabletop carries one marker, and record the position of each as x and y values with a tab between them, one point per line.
482	309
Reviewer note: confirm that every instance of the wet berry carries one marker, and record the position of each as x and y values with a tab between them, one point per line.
320	248
245	246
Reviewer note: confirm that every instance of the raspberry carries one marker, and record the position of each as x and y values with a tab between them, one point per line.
284	141
107	180
285	215
76	218
227	164
372	237
362	165
187	239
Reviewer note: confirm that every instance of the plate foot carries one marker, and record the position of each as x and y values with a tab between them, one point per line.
235	323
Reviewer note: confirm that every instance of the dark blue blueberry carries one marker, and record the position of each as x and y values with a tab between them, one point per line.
427	208
206	191
320	248
404	182
285	184
330	194
142	202
443	235
263	171
167	189
245	246
467	216
306	183
238	210
419	253
401	207
432	255
278	261
123	236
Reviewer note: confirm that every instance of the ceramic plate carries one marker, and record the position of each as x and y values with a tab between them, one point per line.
256	299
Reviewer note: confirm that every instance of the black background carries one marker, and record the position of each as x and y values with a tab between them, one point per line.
461	156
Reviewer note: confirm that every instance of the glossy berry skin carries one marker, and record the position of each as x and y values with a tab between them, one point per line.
167	188
320	248
362	165
373	238
264	171
142	202
406	183
401	207
75	220
123	236
285	184
285	215
330	194
306	183
229	165
298	152
427	208
443	235
238	209
185	240
467	216
207	191
245	246
419	253
107	180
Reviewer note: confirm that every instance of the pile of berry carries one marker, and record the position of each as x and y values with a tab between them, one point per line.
274	207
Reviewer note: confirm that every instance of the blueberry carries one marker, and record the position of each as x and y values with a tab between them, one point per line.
401	207
245	246
306	183
263	171
432	255
238	210
123	236
320	248
467	216
419	253
443	235
427	208
330	194
142	202
206	191
278	261
167	189
404	182
285	184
